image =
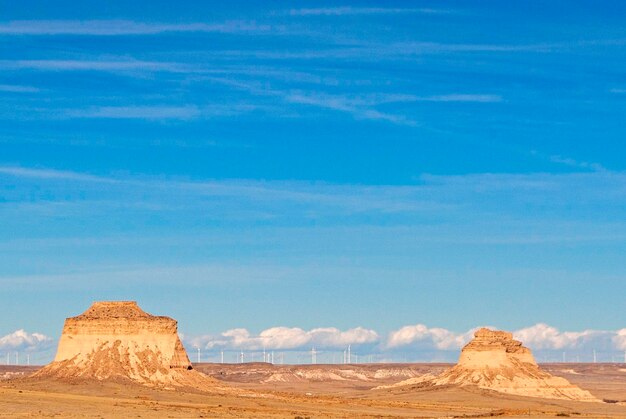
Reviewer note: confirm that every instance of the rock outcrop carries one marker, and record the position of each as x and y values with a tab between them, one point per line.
119	341
494	360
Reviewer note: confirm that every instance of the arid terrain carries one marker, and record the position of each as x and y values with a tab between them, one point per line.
115	360
285	391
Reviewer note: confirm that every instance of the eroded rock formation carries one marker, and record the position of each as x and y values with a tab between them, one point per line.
494	360
119	341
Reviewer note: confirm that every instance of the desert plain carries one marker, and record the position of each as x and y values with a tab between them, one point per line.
116	360
305	391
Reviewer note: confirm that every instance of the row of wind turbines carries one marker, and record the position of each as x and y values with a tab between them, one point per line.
17	359
348	357
268	356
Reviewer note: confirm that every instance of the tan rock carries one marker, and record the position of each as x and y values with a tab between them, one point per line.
119	341
494	360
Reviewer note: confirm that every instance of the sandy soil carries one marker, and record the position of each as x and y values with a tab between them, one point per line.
250	395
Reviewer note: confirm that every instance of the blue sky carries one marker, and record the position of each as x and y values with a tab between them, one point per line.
349	165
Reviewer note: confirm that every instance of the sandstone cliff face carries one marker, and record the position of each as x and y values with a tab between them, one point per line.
118	340
494	360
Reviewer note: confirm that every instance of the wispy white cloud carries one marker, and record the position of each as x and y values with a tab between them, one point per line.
460	97
161	112
108	65
51	174
349	10
359	109
359	106
392	51
348	198
24	341
126	27
443	194
13	88
135	112
579	164
348	102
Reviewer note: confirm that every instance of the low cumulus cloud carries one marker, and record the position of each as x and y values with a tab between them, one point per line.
619	340
411	338
286	338
543	336
539	337
21	340
423	337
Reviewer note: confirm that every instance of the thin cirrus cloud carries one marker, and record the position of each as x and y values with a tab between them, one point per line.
363	107
116	65
587	188
163	112
368	51
348	10
125	27
357	109
567	161
14	88
348	102
136	112
51	174
458	97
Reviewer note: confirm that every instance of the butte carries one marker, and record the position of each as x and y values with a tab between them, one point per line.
118	341
493	360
